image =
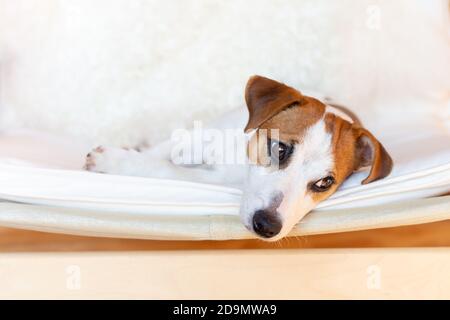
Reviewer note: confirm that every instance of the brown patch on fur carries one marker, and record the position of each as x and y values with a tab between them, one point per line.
291	124
343	142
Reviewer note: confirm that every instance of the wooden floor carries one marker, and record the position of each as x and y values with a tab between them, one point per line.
391	273
426	235
40	265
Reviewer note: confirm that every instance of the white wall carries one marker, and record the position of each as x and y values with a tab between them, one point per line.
118	70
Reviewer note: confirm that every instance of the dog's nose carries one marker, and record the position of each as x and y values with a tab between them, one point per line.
266	224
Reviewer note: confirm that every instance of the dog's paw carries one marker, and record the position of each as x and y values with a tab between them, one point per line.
94	160
106	160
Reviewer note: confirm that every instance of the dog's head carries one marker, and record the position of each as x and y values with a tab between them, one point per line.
300	152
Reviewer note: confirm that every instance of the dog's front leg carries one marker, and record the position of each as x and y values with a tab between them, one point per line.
153	163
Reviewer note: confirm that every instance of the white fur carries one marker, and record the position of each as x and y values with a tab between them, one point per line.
118	72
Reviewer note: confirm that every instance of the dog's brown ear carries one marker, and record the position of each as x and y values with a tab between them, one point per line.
370	152
265	98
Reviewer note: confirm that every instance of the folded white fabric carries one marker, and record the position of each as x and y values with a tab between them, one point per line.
213	227
42	172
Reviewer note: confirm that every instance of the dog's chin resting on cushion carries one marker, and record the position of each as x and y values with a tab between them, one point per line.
298	151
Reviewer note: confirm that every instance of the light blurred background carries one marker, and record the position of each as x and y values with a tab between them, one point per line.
118	72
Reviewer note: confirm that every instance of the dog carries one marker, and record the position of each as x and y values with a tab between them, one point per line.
315	145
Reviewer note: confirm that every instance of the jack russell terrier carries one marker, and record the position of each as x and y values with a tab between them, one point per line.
314	145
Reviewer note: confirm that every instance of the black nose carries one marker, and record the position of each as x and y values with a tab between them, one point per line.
266	223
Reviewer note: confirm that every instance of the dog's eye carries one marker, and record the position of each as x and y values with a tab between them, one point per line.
279	151
323	184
